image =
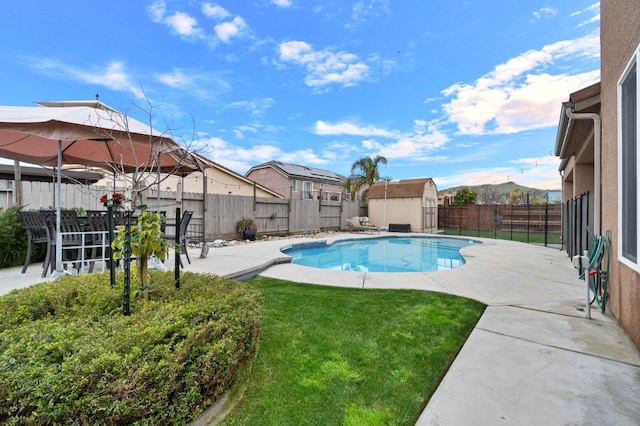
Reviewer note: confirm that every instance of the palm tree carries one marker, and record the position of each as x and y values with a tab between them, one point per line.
364	173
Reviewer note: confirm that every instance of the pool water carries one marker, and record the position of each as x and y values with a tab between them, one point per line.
386	254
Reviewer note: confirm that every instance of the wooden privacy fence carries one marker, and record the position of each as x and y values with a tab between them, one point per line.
273	216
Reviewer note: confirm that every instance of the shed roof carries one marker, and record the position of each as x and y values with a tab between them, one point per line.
408	188
297	171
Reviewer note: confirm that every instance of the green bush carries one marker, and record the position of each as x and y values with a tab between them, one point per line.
13	240
68	355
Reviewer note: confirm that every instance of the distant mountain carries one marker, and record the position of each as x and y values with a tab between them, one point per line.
500	193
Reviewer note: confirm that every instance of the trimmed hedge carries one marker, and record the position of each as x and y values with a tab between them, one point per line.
69	356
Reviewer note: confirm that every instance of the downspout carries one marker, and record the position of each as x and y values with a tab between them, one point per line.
597	189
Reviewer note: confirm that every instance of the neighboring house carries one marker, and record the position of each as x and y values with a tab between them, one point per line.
599	154
298	182
412	201
220	180
445	199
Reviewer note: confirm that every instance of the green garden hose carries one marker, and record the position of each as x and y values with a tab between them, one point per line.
599	273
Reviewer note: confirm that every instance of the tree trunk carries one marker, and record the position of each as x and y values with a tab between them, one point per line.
143	275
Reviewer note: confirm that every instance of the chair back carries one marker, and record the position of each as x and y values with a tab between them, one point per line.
69	222
34	225
184	223
98	220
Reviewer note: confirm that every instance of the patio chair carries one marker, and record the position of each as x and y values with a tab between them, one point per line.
99	222
36	229
355	226
71	242
184	239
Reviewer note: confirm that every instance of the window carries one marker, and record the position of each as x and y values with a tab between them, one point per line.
296	185
628	119
307	187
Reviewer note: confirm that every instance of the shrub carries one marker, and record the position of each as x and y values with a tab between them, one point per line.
13	239
68	355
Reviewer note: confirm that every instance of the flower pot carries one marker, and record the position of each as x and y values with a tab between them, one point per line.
249	234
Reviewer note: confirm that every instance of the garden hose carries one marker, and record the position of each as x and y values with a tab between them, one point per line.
599	273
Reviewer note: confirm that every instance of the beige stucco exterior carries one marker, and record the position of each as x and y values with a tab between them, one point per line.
619	41
220	180
411	201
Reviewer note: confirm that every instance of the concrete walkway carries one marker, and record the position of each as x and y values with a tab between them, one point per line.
532	359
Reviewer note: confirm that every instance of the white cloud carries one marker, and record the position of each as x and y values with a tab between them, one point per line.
541	173
282	3
255	106
518	95
204	85
593	10
183	24
113	76
351	129
180	23
543	12
324	67
423	139
216	11
362	9
229	29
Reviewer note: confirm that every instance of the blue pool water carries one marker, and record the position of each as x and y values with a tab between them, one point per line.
387	254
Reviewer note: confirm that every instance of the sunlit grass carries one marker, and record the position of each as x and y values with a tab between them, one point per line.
335	356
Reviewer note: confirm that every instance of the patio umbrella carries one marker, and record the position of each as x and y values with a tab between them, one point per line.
87	133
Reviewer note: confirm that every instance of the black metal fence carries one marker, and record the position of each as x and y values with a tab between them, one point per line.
530	223
577	217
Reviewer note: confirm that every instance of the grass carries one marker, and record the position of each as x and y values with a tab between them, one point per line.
335	356
534	238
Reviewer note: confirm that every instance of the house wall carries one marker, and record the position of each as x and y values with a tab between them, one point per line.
583	178
277	182
220	182
620	36
272	179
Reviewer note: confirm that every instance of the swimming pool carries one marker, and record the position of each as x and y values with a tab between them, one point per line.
385	254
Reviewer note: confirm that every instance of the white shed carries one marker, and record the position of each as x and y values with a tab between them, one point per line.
412	202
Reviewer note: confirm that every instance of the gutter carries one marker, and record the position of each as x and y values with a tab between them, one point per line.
597	146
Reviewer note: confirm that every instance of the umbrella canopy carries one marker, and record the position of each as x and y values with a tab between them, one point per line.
90	134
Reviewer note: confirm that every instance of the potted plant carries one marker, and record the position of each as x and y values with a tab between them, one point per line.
247	227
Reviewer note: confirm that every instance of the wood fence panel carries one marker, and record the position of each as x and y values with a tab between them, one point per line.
273	216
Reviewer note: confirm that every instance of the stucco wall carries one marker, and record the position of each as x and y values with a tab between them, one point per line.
620	36
271	179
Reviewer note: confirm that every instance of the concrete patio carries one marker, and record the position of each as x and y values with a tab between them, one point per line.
532	359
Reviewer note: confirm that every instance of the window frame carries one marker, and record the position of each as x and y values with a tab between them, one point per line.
308	193
623	234
295	185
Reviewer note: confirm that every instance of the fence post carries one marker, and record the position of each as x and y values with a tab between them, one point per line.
546	222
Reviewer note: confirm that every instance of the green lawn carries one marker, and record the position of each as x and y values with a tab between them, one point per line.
507	235
335	356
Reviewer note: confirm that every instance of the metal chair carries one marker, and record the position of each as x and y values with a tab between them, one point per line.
35	226
184	239
71	231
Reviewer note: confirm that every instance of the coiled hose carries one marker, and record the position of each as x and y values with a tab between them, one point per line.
599	262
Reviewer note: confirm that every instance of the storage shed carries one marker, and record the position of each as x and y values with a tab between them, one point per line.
412	202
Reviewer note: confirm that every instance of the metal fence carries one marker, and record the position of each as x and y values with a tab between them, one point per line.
530	223
577	216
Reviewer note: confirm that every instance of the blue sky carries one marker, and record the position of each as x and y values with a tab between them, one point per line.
465	92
